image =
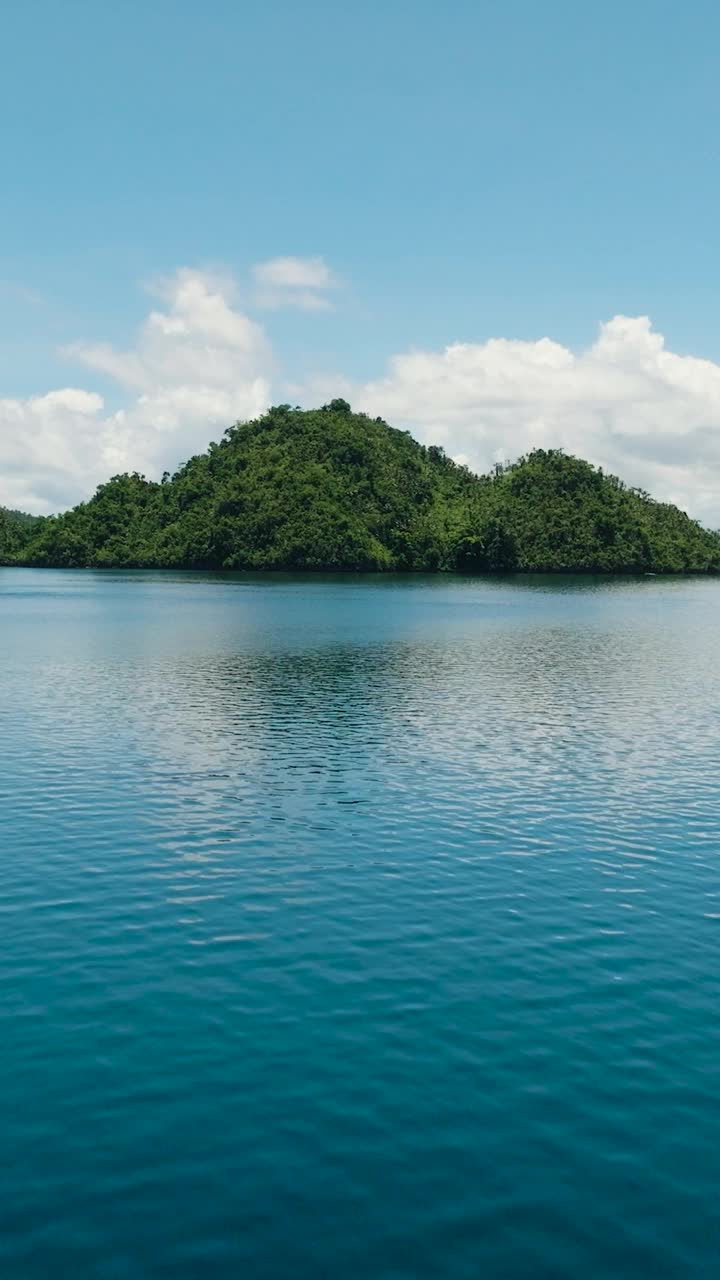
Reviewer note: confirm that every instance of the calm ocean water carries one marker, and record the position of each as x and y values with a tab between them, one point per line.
359	928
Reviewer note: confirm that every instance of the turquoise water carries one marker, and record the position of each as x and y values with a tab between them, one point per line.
359	928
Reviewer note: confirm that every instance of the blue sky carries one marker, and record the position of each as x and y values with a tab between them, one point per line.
467	171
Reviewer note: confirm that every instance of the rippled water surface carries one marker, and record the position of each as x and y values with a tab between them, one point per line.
359	928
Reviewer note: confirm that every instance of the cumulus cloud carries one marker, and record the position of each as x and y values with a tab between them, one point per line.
626	403
294	282
198	365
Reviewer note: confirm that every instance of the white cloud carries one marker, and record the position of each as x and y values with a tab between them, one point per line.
626	403
294	282
294	273
196	367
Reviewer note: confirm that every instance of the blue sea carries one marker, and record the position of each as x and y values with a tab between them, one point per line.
359	928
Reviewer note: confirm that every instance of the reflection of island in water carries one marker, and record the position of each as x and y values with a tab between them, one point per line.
317	720
486	698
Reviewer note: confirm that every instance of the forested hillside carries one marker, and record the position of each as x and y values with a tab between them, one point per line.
16	529
330	489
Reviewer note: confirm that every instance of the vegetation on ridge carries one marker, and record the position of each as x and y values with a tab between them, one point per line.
331	489
16	528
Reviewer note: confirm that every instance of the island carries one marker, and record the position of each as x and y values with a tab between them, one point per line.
330	489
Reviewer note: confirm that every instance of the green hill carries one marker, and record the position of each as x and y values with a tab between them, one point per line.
16	529
330	489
